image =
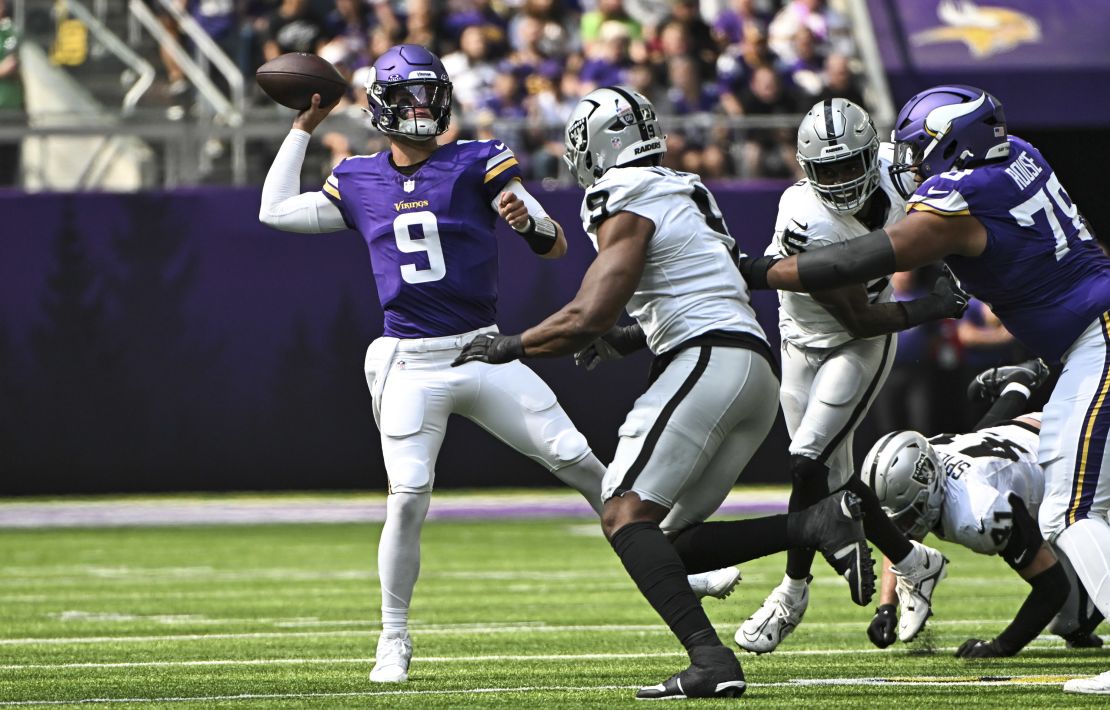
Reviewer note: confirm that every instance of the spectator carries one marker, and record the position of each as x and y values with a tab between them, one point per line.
528	57
687	93
840	80
735	68
293	27
829	27
607	11
556	36
11	97
610	59
728	28
347	28
769	152
220	20
422	23
985	342
699	36
471	70
175	78
807	70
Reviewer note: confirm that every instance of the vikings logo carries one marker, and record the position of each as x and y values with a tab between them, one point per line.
985	30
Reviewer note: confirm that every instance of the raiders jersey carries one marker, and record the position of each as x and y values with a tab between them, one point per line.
690	283
804	222
982	468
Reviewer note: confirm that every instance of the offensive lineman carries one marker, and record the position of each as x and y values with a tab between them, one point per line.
837	350
982	490
992	207
665	252
427	214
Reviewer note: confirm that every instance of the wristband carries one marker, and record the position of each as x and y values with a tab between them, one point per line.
540	234
1016	387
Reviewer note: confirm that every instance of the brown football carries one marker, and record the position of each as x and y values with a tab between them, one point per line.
293	78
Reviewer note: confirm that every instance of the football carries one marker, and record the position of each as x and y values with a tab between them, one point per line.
293	78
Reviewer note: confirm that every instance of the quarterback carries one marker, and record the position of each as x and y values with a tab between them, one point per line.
837	350
427	213
665	253
990	205
982	490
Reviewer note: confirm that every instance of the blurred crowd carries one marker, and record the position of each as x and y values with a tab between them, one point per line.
519	66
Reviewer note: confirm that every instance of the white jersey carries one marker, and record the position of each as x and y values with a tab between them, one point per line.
805	222
983	467
690	283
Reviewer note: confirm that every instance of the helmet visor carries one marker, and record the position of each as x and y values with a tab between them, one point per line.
416	100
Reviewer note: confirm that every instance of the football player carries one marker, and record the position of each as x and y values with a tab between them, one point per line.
990	205
982	490
837	350
665	252
427	213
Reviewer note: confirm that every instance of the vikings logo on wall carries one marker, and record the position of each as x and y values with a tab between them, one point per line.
986	30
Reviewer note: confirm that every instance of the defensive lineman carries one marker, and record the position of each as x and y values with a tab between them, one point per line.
427	214
982	490
837	350
993	208
665	252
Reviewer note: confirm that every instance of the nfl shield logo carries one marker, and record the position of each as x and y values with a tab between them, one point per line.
410	185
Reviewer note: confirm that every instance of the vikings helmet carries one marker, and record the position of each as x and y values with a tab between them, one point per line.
949	127
610	127
906	475
839	150
404	79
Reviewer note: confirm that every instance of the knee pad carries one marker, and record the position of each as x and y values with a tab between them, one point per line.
569	446
409	476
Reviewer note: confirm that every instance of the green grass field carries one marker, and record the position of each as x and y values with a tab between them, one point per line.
507	614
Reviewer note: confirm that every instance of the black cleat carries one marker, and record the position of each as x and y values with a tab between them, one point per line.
1083	639
989	383
833	526
713	673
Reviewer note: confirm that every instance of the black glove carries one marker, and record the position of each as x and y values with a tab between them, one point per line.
754	270
617	342
492	348
989	383
977	648
947	300
882	626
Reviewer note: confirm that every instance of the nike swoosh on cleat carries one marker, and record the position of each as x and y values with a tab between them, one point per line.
730	684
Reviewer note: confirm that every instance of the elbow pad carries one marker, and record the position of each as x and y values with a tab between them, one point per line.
852	262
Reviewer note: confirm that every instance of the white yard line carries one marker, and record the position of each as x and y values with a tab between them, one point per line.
936	681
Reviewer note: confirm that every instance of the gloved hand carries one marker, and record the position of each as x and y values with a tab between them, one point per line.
492	348
947	300
883	626
989	383
617	342
977	648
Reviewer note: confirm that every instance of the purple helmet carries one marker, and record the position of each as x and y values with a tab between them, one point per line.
948	127
406	78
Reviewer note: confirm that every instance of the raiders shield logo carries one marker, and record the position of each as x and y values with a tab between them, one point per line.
577	134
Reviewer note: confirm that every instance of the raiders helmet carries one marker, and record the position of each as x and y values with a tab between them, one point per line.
906	475
610	127
839	150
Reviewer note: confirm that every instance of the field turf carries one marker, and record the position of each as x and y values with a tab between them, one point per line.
508	613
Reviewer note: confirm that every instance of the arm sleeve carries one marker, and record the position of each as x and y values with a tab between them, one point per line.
501	167
535	209
1009	406
284	207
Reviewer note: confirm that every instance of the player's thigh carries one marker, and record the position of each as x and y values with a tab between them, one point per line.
799	367
843	389
676	427
414	406
701	499
516	406
1074	428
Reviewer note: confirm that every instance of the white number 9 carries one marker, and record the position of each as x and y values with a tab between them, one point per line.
402	231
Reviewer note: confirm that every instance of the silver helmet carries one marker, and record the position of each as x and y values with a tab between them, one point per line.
906	475
839	150
609	127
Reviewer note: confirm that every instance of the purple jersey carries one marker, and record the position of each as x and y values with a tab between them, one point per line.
430	235
1042	273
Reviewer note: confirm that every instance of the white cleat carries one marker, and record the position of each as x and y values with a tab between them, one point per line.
1098	685
392	658
915	588
717	584
774	621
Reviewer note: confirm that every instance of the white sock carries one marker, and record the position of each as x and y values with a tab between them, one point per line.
585	477
1087	544
912	560
793	587
399	556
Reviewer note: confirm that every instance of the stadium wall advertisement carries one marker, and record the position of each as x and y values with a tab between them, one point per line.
168	341
1046	61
